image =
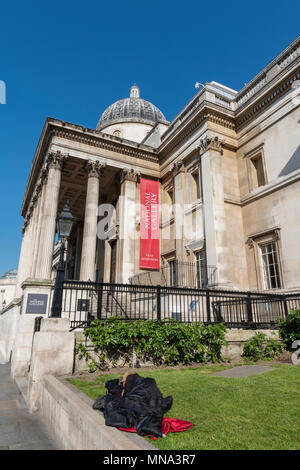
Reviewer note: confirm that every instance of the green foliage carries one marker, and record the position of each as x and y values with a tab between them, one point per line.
261	347
289	328
169	343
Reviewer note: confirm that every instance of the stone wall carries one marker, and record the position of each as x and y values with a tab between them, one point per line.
233	351
76	425
236	340
8	321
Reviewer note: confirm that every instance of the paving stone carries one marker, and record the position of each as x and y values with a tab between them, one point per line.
19	429
8	405
36	445
243	371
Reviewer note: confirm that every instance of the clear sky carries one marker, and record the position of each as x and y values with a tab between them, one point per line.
72	59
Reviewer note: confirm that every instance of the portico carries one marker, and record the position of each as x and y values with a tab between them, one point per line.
94	178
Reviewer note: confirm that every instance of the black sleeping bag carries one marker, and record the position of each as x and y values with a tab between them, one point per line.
142	405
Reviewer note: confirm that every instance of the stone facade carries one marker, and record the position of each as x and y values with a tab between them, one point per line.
230	161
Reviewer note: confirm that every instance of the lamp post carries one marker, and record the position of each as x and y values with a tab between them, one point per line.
64	227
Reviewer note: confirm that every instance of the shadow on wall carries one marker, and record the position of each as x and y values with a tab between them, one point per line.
293	163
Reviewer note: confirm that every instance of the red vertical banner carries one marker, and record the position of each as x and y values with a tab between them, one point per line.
149	228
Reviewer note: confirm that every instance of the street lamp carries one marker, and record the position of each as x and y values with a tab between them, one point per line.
64	227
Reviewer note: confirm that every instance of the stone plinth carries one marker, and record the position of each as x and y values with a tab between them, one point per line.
52	353
22	347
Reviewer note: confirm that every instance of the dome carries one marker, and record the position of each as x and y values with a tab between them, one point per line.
132	109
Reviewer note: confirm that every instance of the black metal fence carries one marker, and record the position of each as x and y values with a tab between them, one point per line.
83	301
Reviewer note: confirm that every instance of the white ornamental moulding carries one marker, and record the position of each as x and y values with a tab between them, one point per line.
129	174
178	167
43	175
211	143
95	168
97	141
250	242
56	160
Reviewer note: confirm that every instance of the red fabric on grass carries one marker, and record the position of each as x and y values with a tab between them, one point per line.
168	425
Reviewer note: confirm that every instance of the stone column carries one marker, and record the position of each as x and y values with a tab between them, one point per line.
37	239
94	169
214	209
23	259
29	230
179	192
34	232
55	162
127	225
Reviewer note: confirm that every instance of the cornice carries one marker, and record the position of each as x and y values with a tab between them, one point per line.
234	120
104	142
277	65
264	191
273	232
72	132
206	114
266	100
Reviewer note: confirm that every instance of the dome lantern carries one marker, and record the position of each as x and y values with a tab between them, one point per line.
134	91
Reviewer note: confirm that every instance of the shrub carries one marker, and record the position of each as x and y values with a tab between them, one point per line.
260	347
168	343
289	328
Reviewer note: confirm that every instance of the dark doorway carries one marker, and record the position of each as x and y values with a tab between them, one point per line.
113	259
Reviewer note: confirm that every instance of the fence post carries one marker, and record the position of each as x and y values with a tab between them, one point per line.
249	308
285	306
99	300
208	305
158	304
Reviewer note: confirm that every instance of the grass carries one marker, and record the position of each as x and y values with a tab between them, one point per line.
260	412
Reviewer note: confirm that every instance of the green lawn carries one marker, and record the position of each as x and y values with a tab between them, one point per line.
257	412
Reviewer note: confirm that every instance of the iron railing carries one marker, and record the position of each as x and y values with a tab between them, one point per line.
83	301
178	274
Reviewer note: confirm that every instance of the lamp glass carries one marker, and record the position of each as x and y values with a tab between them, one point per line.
65	222
64	227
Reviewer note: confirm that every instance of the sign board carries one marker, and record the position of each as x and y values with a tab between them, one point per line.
36	303
149	232
83	305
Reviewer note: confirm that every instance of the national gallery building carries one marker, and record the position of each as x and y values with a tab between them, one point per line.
218	188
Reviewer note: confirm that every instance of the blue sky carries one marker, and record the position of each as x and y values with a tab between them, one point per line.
72	59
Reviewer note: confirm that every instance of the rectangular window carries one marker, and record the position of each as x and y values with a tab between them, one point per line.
201	269
173	273
270	265
167	208
195	186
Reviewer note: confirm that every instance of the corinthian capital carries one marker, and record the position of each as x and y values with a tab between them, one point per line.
95	168
129	174
177	167
211	143
56	160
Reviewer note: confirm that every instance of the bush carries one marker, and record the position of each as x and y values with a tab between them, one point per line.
289	328
260	347
168	343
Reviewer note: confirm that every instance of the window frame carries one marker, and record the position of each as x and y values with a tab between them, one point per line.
266	265
255	242
201	281
251	157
